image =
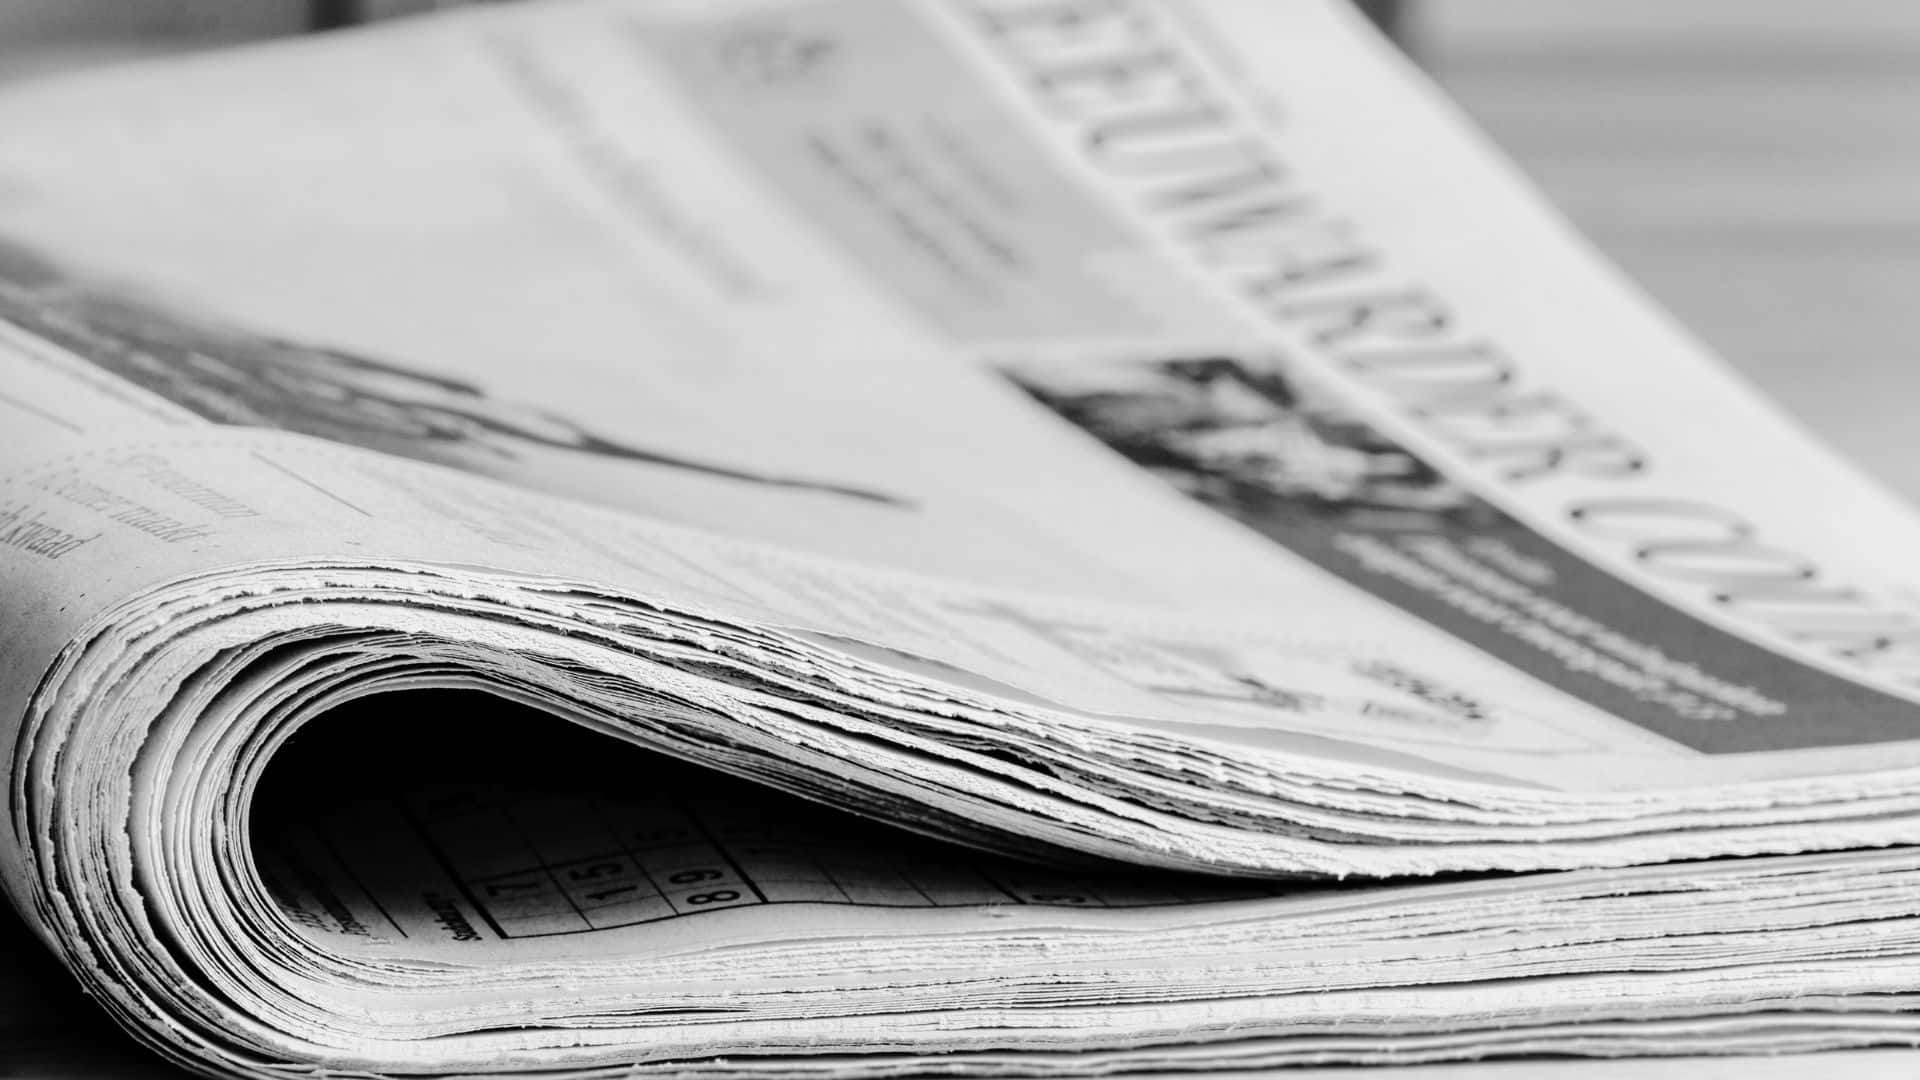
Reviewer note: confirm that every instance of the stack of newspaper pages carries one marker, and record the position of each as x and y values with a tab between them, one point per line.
878	537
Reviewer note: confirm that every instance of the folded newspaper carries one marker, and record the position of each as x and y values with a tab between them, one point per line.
861	538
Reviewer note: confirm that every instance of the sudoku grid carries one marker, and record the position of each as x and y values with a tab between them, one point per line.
537	864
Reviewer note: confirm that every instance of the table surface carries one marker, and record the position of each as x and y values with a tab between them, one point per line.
1753	163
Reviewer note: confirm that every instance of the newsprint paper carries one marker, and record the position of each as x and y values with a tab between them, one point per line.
861	538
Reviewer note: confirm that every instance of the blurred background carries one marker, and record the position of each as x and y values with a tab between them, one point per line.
1755	164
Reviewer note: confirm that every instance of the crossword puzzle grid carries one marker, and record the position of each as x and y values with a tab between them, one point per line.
541	864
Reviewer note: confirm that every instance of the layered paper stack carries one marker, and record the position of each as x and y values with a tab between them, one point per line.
857	538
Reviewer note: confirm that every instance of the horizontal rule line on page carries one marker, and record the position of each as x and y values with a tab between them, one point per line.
290	474
35	410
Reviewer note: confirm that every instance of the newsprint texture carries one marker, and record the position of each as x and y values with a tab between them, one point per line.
867	538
